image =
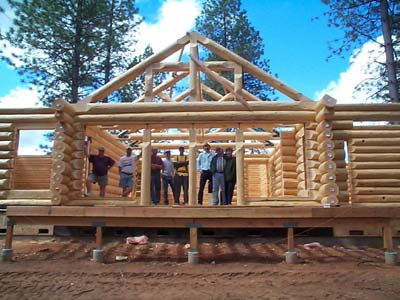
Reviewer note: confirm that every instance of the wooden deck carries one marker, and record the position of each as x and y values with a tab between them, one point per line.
205	216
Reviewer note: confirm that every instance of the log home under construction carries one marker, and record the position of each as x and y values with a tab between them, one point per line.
300	163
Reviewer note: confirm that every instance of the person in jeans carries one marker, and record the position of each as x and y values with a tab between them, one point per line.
230	175
155	183
100	166
168	175
181	163
127	169
218	170
203	166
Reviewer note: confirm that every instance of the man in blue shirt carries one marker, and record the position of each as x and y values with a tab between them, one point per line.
203	165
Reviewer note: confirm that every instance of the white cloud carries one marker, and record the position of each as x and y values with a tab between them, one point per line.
175	18
20	98
344	89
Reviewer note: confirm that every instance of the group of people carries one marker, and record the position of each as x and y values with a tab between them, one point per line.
218	168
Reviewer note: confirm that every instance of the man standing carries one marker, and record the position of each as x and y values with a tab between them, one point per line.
100	166
217	168
181	163
155	184
127	169
203	165
168	176
230	175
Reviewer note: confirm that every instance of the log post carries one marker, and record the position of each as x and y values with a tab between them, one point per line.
148	85
240	168
290	255
390	254
6	254
194	82
238	82
193	254
146	168
192	167
98	251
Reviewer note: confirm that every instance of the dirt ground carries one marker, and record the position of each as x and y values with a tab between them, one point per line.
54	269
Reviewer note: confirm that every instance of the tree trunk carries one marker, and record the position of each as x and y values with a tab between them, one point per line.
76	60
110	38
390	63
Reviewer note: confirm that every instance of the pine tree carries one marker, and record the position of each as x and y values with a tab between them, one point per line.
363	21
225	22
71	47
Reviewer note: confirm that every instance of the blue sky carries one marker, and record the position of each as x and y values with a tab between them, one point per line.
295	45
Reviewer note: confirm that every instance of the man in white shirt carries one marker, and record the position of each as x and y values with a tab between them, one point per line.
127	168
168	173
203	165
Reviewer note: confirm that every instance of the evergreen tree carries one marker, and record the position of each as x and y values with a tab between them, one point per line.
71	47
363	21
226	22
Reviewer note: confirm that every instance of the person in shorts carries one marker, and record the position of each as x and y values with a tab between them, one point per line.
100	166
127	169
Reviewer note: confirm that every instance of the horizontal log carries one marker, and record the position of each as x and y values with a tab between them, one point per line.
343	125
3	195
7	145
7	154
357	134
122	108
61	105
375	149
77	154
4	174
389	107
62	127
311	185
326	113
7	135
77	174
78	145
76	185
194	117
375	157
63	147
343	186
326	101
62	137
328	178
311	145
62	168
59	189
326	156
376	191
329	189
310	135
374	165
375	142
6	163
375	198
375	173
288	151
57	155
29	118
331	200
339	144
202	137
58	178
77	164
323	126
59	199
5	184
62	116
6	126
368	115
377	182
328	144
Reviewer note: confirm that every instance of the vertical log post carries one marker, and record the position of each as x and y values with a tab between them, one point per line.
193	254
98	251
148	85
146	168
390	254
6	253
192	166
290	255
194	82
240	168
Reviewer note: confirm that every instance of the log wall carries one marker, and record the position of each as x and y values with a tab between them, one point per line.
32	172
7	156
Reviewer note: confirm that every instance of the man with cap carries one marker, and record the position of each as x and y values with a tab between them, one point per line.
181	163
167	175
100	166
127	169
